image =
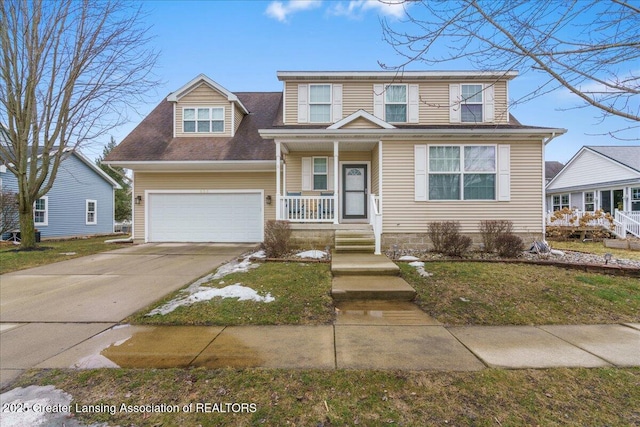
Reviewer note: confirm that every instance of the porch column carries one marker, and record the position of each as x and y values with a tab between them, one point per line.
336	187
278	155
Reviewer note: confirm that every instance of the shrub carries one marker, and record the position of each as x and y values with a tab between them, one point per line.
509	245
491	230
277	236
446	238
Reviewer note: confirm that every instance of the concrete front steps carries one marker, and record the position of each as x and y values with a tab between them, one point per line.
355	241
380	288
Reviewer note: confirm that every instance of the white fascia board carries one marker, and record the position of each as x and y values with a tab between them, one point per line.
282	134
202	78
386	75
198	165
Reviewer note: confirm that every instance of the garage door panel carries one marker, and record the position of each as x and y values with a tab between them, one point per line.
208	217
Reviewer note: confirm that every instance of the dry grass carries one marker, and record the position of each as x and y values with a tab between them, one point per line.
369	398
594	248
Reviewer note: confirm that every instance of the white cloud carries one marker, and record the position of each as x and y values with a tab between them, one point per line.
356	8
283	10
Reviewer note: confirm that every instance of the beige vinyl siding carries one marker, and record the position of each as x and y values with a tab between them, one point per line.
294	166
360	123
433	100
237	117
203	96
404	215
202	181
375	187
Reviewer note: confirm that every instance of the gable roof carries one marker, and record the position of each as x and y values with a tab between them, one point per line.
628	156
153	140
364	115
203	79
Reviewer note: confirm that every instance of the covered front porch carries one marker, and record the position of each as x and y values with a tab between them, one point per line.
330	183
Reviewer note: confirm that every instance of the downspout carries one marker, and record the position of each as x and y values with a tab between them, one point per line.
544	185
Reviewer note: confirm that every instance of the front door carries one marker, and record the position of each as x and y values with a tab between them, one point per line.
354	191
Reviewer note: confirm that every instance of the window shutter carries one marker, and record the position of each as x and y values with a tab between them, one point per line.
303	104
330	174
378	101
489	104
414	105
337	103
454	103
504	173
307	173
420	171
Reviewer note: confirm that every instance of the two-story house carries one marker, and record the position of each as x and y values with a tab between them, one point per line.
336	150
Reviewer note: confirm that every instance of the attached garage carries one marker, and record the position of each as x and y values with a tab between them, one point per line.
209	216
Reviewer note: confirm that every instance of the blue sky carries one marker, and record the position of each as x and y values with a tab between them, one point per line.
242	44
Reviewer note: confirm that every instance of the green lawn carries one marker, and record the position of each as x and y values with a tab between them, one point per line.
515	294
301	292
492	397
50	251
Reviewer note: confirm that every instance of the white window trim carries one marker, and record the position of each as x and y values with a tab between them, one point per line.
465	102
461	172
46	213
584	201
330	103
313	173
405	103
210	108
560	204
95	212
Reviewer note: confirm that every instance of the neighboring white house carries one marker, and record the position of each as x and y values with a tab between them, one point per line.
599	177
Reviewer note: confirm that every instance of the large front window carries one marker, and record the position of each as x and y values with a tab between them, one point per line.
320	170
471	104
203	120
395	103
320	103
462	172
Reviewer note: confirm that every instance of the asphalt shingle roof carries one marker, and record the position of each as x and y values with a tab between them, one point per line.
625	155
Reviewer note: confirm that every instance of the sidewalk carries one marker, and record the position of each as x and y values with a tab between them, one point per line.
384	342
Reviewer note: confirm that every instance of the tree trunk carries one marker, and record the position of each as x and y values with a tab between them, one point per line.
27	229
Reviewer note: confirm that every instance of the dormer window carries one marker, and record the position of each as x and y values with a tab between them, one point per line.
203	120
320	103
395	104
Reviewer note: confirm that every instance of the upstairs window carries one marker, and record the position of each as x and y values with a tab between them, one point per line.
471	105
320	103
203	120
395	103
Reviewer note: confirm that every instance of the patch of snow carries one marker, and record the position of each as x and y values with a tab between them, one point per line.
408	258
464	299
67	253
259	254
315	254
556	252
95	361
419	265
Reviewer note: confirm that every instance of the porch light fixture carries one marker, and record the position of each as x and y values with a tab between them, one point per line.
268	200
607	258
138	200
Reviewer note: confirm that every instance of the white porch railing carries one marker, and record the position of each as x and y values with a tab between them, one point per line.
308	208
375	218
626	223
573	219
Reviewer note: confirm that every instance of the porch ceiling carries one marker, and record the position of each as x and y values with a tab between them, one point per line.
328	146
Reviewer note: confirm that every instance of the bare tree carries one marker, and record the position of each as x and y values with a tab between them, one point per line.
590	47
69	72
8	211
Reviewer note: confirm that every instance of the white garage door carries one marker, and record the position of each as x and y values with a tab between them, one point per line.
210	217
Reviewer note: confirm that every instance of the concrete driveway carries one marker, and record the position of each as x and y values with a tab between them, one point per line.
46	310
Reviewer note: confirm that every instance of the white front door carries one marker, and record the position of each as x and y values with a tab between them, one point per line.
354	191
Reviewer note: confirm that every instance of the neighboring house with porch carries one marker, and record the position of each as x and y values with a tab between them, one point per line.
603	178
80	202
336	150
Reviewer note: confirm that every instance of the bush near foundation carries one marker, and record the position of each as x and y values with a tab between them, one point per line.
509	245
277	239
446	238
491	230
